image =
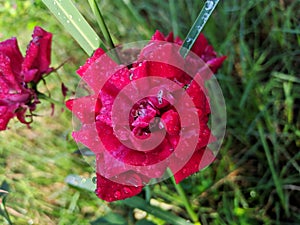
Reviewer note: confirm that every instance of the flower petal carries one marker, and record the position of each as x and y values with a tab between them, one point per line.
171	121
38	56
10	49
199	160
200	45
5	116
110	191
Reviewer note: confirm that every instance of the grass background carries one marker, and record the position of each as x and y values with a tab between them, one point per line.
256	178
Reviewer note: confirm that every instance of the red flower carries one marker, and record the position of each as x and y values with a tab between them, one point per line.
19	76
146	117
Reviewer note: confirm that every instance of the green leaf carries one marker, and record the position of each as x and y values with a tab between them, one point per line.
144	222
137	202
3	211
79	182
4	189
67	13
110	219
84	152
197	27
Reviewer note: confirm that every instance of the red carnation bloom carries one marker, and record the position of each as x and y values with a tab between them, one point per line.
146	117
19	75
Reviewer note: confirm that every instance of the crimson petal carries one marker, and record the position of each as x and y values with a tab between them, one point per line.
109	190
38	56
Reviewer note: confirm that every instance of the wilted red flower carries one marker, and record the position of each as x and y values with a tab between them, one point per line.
19	76
122	128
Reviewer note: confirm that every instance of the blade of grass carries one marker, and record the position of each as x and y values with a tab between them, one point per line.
173	17
137	17
197	27
96	10
79	182
69	16
276	180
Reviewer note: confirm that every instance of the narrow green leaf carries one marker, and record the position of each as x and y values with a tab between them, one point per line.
137	202
4	189
197	27
172	6
97	12
144	222
3	211
67	13
84	152
79	182
110	219
276	179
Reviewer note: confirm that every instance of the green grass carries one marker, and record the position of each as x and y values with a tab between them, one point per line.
255	179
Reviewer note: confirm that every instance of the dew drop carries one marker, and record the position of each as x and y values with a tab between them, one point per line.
127	190
94	179
184	171
189	40
117	194
209	5
70	16
159	96
68	21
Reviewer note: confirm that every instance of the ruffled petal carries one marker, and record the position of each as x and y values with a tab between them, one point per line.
38	56
5	116
83	108
200	45
172	122
110	191
199	160
11	81
10	49
216	63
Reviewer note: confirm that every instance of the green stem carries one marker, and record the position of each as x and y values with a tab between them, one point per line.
148	194
96	10
47	98
185	200
4	210
197	27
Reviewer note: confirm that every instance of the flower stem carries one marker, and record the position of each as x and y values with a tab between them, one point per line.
197	27
51	100
96	10
185	200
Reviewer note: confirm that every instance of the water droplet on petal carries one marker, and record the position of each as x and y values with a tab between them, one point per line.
117	194
127	190
184	170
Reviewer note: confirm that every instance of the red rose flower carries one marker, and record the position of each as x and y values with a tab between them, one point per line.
146	117
16	72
